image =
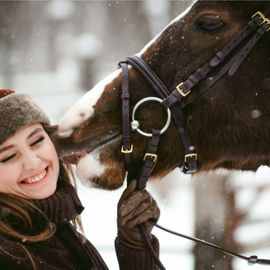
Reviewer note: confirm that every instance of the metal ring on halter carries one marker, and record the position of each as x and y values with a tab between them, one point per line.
135	123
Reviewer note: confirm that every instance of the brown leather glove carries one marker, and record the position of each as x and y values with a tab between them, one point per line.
135	207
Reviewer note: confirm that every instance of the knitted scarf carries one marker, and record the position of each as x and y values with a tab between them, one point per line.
61	207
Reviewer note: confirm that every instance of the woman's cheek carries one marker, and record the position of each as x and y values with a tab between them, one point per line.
9	175
50	155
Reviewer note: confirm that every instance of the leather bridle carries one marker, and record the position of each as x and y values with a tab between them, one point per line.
225	61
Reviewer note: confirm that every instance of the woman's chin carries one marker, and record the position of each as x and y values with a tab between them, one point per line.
44	193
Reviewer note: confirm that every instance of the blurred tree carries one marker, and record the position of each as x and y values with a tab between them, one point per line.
217	218
214	220
58	14
175	6
123	19
8	12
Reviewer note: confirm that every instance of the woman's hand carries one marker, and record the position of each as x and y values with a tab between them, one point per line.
135	207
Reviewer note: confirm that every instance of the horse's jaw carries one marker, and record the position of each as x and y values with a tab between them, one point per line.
97	159
98	169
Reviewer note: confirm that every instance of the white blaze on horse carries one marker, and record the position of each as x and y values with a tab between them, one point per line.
226	110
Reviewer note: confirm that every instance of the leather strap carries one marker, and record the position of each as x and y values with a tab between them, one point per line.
152	79
126	138
221	55
202	72
150	159
242	54
147	241
189	165
207	83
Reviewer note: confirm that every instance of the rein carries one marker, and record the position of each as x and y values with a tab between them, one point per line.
174	102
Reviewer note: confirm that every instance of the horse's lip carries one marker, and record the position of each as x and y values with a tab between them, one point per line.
73	157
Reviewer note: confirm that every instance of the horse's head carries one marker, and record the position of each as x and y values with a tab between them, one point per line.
229	124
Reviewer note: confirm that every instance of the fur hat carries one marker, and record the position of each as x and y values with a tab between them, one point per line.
17	111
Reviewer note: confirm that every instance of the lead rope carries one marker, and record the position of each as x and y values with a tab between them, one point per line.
251	259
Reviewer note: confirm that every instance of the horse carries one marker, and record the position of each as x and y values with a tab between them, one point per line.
229	123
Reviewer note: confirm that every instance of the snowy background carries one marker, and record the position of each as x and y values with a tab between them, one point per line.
57	50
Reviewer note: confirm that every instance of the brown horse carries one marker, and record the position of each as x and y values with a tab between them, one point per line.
229	124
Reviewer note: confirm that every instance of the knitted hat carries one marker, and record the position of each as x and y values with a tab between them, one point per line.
17	111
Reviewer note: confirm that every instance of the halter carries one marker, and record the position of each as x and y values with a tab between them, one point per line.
176	100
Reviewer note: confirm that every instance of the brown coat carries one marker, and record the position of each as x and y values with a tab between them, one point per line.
65	249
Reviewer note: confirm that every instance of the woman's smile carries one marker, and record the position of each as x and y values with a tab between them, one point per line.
36	179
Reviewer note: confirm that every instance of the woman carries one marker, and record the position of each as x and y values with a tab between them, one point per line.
39	205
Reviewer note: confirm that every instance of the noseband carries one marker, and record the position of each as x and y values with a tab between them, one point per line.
225	61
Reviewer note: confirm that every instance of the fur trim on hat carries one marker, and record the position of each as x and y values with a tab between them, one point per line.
18	111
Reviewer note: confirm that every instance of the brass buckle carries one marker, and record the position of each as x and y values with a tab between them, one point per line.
180	91
260	15
190	155
151	156
127	151
264	20
268	22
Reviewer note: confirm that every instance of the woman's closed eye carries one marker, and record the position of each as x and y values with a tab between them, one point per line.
7	158
37	141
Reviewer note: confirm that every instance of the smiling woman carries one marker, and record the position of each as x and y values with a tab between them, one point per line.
39	207
29	165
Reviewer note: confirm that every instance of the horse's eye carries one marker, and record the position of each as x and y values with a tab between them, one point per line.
210	24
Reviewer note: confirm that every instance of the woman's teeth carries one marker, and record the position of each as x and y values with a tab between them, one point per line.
36	178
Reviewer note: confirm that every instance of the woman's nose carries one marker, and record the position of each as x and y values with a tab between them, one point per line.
31	161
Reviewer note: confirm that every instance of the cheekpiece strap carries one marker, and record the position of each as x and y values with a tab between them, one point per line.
127	147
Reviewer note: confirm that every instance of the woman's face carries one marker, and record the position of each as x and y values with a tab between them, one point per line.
29	165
